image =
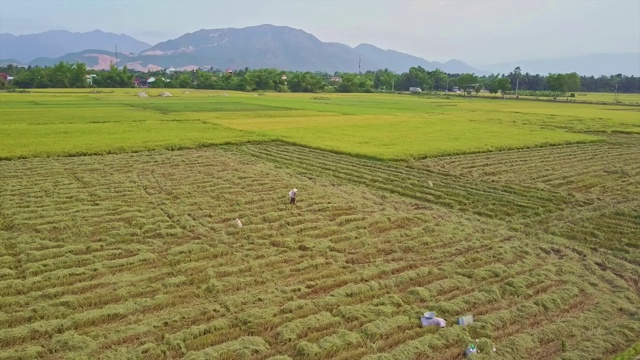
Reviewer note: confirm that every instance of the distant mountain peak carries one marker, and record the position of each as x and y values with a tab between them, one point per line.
594	64
55	43
401	62
370	46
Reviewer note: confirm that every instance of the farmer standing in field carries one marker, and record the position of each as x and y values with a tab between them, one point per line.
292	196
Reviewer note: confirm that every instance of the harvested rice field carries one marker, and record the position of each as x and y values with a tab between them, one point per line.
138	255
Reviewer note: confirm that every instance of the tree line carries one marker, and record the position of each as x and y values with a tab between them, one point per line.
65	75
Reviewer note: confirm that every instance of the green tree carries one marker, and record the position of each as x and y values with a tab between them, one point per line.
34	78
184	80
158	82
78	76
25	80
416	77
500	84
60	75
555	82
356	83
572	82
305	82
267	79
244	82
204	80
564	83
125	77
467	82
439	79
515	78
114	78
384	80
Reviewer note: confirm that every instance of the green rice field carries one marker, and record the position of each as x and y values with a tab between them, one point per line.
50	123
580	97
118	237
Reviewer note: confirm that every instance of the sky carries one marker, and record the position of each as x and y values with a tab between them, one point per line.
476	31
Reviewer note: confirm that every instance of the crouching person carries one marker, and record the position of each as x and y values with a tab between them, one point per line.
292	196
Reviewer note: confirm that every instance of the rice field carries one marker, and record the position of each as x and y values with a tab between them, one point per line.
136	254
580	97
382	126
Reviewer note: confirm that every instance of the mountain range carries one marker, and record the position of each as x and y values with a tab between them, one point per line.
263	46
591	64
56	43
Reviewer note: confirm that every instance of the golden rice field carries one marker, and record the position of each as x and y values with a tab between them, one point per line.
118	237
137	255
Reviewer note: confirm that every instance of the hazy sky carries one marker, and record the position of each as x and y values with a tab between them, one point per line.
477	31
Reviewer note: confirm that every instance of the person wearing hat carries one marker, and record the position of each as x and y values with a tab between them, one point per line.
292	196
430	319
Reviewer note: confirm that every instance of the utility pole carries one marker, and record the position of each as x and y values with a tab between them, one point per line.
359	63
615	97
116	55
516	72
447	89
393	82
